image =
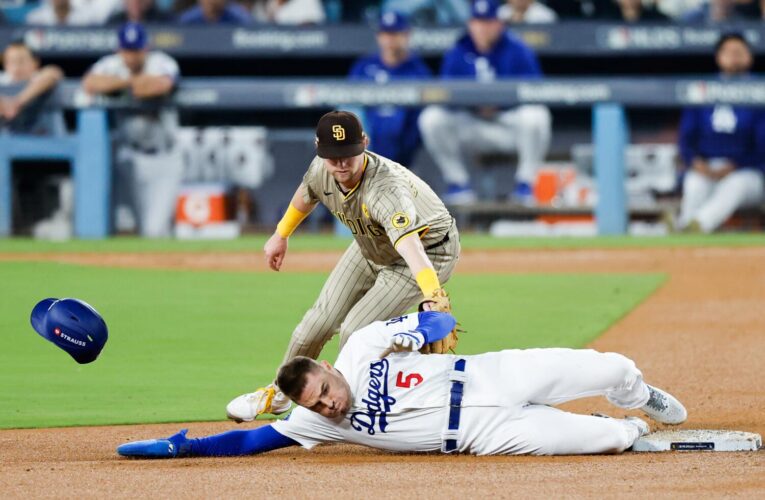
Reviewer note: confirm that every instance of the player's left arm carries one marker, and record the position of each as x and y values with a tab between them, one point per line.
159	79
147	86
238	443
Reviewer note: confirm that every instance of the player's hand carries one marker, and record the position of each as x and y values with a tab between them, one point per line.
275	250
405	342
701	166
9	108
428	306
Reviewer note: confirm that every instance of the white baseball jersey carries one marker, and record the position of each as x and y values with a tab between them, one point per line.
401	403
144	130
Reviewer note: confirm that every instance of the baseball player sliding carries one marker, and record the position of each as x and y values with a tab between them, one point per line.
485	404
405	246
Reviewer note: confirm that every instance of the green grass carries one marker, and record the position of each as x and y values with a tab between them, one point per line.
183	343
302	242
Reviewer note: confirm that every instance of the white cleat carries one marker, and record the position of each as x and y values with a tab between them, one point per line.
664	407
248	407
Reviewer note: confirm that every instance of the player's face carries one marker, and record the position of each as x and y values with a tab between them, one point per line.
734	57
346	171
134	60
19	63
393	46
326	392
485	33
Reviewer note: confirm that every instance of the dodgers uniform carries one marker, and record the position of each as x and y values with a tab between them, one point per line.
372	281
485	404
402	402
721	134
393	130
148	163
448	132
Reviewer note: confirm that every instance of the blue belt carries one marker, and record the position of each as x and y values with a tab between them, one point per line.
457	376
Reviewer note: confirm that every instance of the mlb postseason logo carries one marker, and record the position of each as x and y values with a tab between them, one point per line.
377	401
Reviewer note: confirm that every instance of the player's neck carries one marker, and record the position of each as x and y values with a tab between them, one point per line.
354	181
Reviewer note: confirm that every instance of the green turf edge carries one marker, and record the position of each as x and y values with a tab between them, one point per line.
319	242
195	304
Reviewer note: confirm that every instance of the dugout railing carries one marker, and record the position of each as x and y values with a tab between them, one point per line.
607	97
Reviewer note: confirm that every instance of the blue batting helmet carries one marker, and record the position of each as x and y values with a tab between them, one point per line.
73	325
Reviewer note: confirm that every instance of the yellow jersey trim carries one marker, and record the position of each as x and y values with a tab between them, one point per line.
421	231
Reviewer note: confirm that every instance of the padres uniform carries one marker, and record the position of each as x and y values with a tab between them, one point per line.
371	281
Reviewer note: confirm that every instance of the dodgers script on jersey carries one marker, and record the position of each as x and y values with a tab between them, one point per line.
389	203
401	403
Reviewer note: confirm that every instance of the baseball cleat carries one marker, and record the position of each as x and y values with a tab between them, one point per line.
170	447
664	408
248	407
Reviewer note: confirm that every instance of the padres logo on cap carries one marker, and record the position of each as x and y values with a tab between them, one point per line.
400	220
338	132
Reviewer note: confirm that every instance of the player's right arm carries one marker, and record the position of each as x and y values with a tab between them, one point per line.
301	205
105	78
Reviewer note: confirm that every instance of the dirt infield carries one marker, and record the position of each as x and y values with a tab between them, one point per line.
701	336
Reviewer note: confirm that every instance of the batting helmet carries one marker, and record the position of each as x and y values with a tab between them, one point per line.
72	325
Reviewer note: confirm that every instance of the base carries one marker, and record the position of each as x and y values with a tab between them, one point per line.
698	440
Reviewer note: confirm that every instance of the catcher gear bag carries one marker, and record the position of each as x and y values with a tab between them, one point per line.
73	325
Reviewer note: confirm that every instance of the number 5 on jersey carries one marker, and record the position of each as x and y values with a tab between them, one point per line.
408	381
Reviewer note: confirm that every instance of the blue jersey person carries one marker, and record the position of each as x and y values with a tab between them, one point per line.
393	130
487	52
723	148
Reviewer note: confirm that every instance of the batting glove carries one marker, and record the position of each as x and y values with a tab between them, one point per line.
407	341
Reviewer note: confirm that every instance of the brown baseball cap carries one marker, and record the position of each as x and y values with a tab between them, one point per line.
339	134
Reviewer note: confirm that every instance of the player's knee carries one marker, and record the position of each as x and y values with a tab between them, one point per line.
623	369
536	118
692	180
308	331
433	119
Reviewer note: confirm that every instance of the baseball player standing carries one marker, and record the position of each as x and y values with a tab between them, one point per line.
405	245
486	53
393	130
486	404
149	165
723	148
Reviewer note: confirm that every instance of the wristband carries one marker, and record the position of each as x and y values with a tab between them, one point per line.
427	280
291	220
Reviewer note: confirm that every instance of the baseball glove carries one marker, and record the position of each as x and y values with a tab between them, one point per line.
439	301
